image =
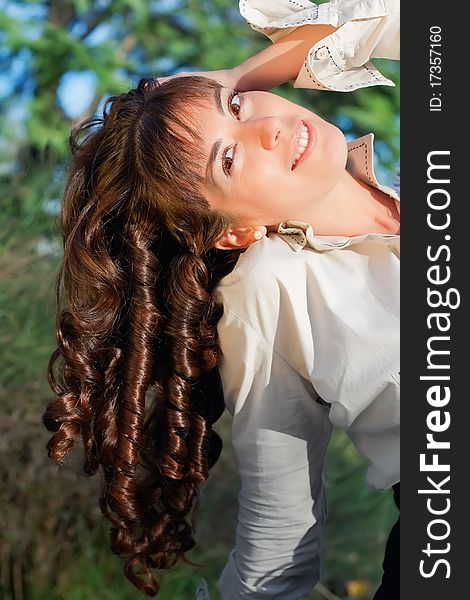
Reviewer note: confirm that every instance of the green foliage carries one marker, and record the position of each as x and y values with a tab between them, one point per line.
54	542
359	520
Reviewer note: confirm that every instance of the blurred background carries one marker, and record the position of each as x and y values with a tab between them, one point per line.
59	61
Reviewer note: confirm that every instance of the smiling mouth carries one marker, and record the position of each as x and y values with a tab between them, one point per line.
302	144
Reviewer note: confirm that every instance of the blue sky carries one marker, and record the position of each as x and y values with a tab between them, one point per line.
76	89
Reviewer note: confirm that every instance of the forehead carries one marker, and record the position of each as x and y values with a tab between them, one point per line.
194	127
200	120
203	117
193	136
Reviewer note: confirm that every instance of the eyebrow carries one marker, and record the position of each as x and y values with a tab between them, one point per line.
216	145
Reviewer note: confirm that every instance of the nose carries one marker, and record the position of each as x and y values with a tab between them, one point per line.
267	131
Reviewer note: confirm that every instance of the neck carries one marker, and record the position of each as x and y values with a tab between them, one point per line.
352	208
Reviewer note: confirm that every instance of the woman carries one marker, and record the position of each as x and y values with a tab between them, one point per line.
188	245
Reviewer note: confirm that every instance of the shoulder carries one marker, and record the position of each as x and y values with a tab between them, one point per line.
267	270
266	299
265	261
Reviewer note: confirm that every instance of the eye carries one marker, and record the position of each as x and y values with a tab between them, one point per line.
234	106
227	160
234	103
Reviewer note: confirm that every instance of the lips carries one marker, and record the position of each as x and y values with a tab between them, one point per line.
302	143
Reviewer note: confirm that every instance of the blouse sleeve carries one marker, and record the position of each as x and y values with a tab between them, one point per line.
341	61
279	438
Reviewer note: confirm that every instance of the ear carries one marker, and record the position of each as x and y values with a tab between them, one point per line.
240	237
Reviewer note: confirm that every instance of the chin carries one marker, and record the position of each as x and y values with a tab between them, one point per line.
336	150
339	143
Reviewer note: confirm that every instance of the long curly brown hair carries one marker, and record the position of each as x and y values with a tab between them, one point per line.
135	371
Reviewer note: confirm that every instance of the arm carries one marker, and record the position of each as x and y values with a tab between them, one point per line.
338	60
274	65
279	437
280	62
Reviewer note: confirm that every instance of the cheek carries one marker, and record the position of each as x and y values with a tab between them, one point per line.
258	188
214	198
261	177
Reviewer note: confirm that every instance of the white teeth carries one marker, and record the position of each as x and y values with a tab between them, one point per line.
303	142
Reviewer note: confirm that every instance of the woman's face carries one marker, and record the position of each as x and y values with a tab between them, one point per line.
252	140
